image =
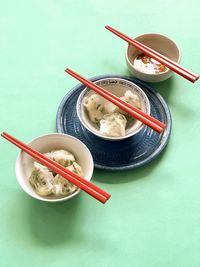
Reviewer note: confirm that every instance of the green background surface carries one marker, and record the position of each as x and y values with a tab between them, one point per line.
153	217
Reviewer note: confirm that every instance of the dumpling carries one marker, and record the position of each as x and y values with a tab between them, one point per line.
46	182
132	99
62	187
113	125
75	168
109	107
94	106
109	118
40	179
62	157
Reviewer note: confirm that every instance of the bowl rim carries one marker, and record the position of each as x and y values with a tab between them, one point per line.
109	138
153	74
17	167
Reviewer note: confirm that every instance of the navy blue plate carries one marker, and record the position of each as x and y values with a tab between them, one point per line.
129	153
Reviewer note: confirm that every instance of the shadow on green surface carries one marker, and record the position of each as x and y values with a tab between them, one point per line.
54	223
51	225
164	88
118	177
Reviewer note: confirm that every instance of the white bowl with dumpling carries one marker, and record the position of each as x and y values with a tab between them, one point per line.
40	182
103	118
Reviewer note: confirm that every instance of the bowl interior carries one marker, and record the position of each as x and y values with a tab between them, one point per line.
158	42
47	143
117	87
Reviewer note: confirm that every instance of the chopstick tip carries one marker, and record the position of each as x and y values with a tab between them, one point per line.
107	27
106	199
197	78
2	134
66	70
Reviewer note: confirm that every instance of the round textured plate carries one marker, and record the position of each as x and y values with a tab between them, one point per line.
117	155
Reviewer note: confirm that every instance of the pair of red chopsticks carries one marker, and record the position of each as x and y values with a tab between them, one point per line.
157	56
83	184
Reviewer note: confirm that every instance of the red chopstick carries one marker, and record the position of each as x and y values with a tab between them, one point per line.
135	112
157	56
83	184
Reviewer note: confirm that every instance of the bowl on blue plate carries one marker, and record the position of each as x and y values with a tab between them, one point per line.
118	87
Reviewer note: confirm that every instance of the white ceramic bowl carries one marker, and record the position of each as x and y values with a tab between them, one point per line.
47	143
118	87
161	44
